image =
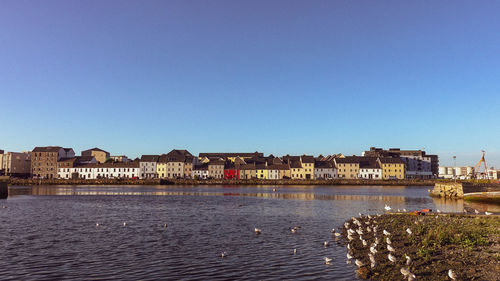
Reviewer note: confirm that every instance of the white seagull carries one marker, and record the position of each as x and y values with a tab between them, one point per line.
327	260
223	254
124	224
326	244
391	258
387	207
408	260
359	263
405	271
387	233
364	243
452	275
409	231
476	211
488	213
349	256
337	234
294	251
373	250
390	248
388	240
257	230
412	277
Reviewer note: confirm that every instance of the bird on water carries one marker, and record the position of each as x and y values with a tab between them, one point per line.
257	230
391	258
327	260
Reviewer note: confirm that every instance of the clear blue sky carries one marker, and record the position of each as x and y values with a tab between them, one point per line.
142	77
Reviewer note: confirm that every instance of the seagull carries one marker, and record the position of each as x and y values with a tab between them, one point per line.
390	248
124	224
439	211
373	250
293	230
349	237
476	211
257	230
97	224
387	233
360	232
409	231
399	211
327	260
364	243
388	241
4	207
360	215
274	189
294	251
348	246
359	263
488	213
412	277
391	258
360	238
452	275
377	240
372	258
223	254
367	222
404	210
346	225
368	230
333	230
349	256
165	226
326	244
465	211
350	231
369	217
405	271
387	207
337	234
408	260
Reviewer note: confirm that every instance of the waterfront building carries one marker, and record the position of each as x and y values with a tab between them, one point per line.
308	166
261	171
16	164
273	171
369	168
172	165
100	155
189	163
392	168
231	172
2	169
347	167
247	171
148	166
216	169
418	163
324	169
44	160
200	171
130	170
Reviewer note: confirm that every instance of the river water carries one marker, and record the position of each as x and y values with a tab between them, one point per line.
51	233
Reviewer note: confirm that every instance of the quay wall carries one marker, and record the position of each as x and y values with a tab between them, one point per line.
4	189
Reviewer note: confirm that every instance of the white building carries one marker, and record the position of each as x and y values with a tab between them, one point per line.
200	172
147	165
101	171
273	172
325	170
417	166
369	168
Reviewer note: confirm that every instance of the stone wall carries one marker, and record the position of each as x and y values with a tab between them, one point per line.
448	190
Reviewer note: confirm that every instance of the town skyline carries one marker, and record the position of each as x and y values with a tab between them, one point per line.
461	160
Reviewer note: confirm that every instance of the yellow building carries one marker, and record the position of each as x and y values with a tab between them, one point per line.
392	168
307	166
261	171
347	167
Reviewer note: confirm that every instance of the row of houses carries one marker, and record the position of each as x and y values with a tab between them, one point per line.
59	162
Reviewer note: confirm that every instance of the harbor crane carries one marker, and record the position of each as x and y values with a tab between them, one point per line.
475	170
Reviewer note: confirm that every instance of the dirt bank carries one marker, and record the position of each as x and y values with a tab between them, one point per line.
469	245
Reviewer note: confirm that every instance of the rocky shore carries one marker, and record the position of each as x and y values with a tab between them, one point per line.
425	247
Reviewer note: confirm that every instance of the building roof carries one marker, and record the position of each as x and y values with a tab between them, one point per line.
149	158
70	159
216	162
247	167
369	163
200	167
323	164
295	164
176	155
110	165
349	159
231	154
84	158
307	159
95	149
47	149
386	160
278	167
